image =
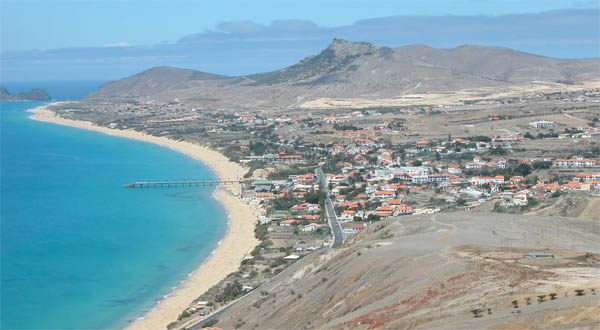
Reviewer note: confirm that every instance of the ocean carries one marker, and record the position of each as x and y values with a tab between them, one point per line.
78	250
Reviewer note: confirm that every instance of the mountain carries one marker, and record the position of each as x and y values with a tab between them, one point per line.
36	94
430	272
502	63
152	81
359	70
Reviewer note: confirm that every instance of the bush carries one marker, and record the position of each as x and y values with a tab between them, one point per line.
183	315
230	292
277	262
210	323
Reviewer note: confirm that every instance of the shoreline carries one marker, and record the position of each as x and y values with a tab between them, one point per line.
225	258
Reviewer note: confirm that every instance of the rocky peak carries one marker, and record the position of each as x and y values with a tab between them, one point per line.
342	48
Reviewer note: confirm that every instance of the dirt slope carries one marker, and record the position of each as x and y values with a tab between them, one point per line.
430	271
572	205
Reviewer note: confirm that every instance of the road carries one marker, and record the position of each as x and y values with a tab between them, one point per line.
336	230
334	225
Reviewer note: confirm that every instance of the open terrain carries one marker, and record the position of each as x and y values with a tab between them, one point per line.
431	271
581	206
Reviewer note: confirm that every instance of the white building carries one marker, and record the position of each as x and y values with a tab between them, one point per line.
542	124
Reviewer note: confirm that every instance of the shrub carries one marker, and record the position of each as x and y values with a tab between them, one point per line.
183	315
210	323
476	312
230	292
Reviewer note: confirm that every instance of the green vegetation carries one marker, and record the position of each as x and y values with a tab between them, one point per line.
231	292
210	323
285	203
283	174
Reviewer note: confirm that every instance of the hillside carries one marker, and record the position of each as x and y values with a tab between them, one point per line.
570	205
153	81
36	94
430	271
361	70
503	64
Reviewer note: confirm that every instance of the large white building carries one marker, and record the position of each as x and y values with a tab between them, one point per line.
542	124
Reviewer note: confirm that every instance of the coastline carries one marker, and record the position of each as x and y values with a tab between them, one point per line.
239	238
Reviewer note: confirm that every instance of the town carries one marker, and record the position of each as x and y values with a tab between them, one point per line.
322	176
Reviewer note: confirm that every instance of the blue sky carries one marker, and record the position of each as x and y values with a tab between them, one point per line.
49	24
49	40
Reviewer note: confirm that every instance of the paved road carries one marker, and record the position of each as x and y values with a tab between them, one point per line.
334	225
338	239
199	324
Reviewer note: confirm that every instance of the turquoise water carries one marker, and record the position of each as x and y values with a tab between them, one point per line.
79	251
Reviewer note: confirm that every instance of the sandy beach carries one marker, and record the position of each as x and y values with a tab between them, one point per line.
238	241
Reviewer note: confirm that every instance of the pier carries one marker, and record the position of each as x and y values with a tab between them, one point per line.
183	183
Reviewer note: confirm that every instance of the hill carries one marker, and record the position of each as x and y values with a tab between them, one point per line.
361	70
430	272
153	81
36	94
570	205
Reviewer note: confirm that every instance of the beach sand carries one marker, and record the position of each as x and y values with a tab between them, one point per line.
238	241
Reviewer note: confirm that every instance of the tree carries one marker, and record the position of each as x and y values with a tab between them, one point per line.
523	169
373	217
230	292
541	165
258	148
499	151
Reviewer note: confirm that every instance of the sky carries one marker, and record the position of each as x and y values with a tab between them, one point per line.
50	40
51	24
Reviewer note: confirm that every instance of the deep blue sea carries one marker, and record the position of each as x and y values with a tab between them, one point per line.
78	250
